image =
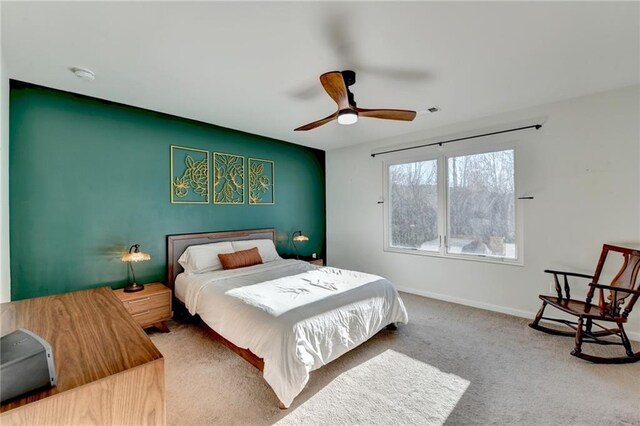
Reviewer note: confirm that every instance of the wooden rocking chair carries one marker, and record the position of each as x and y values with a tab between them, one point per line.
615	308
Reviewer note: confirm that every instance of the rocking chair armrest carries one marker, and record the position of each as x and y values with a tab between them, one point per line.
569	274
566	275
608	287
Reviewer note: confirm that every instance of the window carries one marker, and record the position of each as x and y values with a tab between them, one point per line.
414	200
462	206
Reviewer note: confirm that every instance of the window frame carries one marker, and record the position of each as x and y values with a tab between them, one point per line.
442	158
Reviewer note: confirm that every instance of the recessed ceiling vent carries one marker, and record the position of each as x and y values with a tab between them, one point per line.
429	110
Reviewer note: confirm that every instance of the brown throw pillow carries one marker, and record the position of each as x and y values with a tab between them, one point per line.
240	259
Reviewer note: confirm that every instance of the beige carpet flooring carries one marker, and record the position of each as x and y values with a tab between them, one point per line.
450	365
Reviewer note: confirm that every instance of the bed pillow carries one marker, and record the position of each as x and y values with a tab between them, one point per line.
265	247
204	257
240	259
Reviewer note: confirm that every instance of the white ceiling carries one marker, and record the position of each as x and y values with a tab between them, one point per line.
255	66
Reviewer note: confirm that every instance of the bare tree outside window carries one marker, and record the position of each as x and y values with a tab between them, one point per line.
414	205
481	210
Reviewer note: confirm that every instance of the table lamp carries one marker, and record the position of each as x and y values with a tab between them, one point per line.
298	236
134	255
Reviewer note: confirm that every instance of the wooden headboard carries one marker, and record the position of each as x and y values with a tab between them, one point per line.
177	244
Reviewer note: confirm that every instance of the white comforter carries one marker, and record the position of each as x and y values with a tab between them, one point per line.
293	315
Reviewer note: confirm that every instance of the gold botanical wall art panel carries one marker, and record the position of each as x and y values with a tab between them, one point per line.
228	178
189	175
261	181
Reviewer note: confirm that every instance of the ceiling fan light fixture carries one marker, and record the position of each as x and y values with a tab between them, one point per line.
347	116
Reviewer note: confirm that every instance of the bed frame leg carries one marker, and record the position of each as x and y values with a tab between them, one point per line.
392	326
281	405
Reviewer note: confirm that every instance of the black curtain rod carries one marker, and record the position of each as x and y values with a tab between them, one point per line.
537	126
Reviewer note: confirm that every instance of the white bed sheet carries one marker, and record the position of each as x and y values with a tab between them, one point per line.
293	315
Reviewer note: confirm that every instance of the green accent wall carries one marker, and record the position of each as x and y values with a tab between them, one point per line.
88	178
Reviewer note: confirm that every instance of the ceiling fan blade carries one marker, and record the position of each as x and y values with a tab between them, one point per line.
387	114
333	83
317	123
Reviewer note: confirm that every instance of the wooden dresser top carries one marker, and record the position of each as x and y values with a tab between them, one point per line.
90	332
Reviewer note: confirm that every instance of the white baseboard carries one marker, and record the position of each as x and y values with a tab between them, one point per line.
486	306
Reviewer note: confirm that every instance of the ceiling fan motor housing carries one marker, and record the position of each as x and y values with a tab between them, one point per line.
349	77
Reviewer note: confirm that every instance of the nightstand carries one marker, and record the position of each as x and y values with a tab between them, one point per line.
314	261
149	307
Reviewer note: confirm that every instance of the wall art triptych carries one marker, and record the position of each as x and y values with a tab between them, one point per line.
192	184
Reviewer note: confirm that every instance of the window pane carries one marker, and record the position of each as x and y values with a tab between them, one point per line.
481	213
414	205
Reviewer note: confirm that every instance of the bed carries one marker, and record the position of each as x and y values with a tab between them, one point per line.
286	317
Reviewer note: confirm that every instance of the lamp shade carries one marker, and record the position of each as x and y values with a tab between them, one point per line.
299	236
135	255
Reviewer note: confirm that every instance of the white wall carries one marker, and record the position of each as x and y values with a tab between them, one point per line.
582	168
5	276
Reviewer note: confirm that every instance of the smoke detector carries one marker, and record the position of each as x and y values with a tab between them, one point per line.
83	74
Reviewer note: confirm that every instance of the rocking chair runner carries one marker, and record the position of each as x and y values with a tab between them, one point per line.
624	291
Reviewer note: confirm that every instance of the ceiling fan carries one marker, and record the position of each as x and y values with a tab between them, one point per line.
336	84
